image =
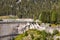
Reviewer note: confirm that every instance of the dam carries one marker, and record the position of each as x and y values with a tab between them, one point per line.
9	29
10	26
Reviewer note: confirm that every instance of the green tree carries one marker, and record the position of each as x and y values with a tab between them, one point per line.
53	17
55	32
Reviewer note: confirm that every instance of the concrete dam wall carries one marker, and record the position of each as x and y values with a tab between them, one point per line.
7	29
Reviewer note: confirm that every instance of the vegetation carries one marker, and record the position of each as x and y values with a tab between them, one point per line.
44	10
37	35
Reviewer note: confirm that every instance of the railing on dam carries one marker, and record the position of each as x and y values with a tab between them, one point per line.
16	20
1	22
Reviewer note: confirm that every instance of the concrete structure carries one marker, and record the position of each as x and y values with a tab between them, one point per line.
19	26
10	26
7	29
17	20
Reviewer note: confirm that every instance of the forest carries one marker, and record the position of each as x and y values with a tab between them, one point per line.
44	10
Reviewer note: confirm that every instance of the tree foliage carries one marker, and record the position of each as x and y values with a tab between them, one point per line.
37	35
31	9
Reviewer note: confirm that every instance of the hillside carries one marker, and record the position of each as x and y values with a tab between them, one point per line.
31	8
27	8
